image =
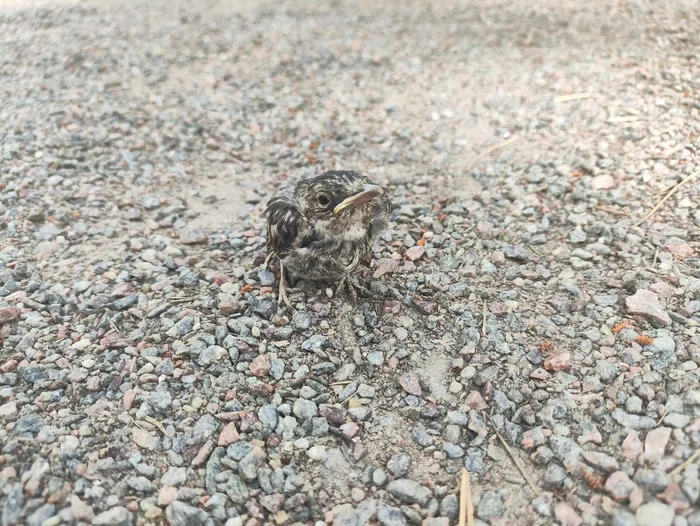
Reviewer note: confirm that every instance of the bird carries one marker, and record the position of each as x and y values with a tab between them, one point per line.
322	228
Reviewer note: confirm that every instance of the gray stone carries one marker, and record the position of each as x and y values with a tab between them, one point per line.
314	343
267	415
238	450
376	358
543	505
249	465
44	513
266	278
236	489
577	235
379	477
565	449
491	505
409	492
623	518
655	513
366	510
31	423
516	253
181	514
399	465
160	400
301	320
12	507
457	418
390	516
305	409
449	507
633	421
634	405
117	516
452	450
421	437
206	426
554	475
662	345
601	461
474	461
141	484
347	517
174	476
652	480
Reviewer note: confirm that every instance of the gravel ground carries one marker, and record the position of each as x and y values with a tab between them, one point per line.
145	377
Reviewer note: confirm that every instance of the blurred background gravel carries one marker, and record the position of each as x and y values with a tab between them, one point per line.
144	374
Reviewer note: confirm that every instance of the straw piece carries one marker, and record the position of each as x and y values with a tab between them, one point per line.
466	505
668	196
516	460
574	96
687	463
487	151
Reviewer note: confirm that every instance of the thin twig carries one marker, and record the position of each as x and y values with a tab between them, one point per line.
466	506
487	151
347	400
687	463
516	460
302	379
631	118
661	420
573	96
610	210
666	189
345	382
155	422
668	196
183	300
484	312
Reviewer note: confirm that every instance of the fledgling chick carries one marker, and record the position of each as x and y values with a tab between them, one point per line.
323	227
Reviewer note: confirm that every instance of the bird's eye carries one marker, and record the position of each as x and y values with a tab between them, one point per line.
323	200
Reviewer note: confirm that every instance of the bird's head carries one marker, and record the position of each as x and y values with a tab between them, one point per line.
341	201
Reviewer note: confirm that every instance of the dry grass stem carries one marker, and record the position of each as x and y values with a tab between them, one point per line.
668	196
574	96
466	505
493	148
631	118
687	463
516	460
155	422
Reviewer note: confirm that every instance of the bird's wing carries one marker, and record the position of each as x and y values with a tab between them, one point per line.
284	220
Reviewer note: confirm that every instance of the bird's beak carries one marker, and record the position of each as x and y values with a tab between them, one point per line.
368	193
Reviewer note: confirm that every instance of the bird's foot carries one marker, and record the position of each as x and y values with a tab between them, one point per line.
282	298
266	263
352	293
351	287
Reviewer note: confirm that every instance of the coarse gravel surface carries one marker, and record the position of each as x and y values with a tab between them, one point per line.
145	375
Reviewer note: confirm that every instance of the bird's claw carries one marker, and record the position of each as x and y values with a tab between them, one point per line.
352	293
282	298
349	287
266	263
